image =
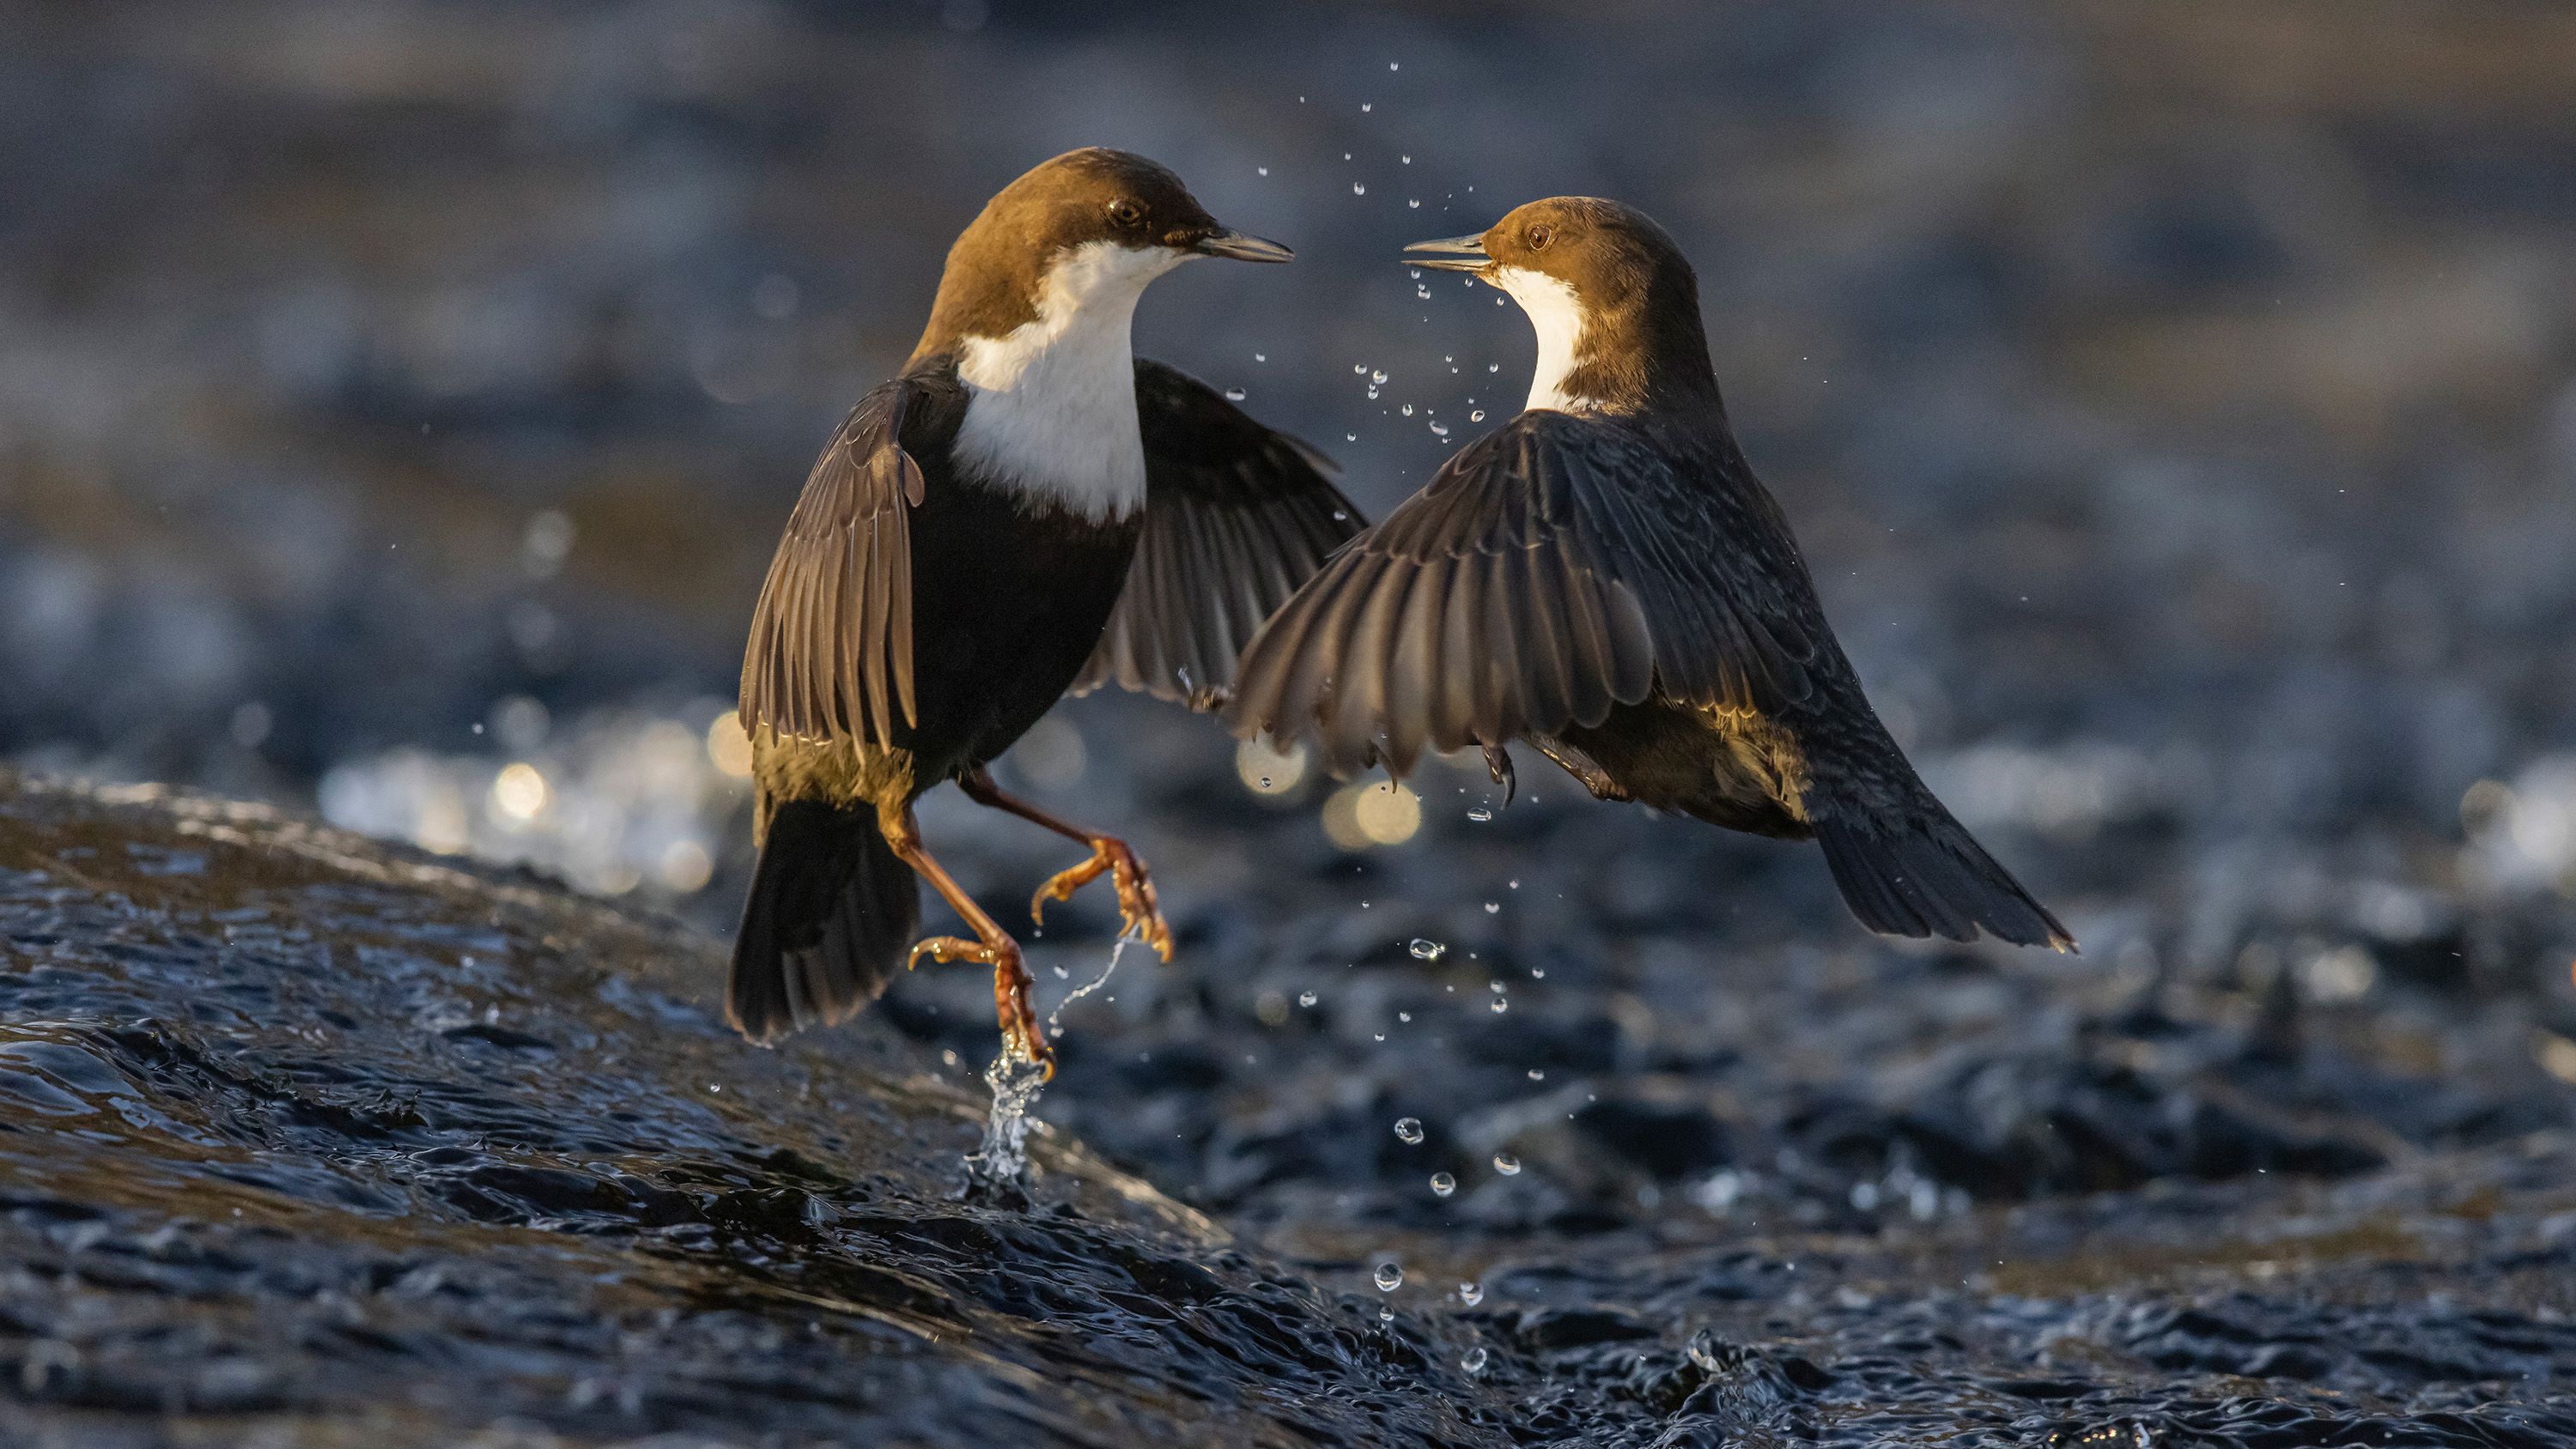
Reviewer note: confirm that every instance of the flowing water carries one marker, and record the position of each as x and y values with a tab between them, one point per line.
336	1144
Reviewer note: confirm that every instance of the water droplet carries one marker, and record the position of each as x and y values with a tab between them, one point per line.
1347	438
1471	1293
1474	1362
1385	1314
1378	376
1439	430
1501	1006
1493	367
1260	170
1359	369
1537	1074
1408	410
1442	1184
1305	998
1407	160
1389	1277
1390	65
1480	813
1404	1016
1493	908
1426	950
1261	357
1372	392
1477	416
1506	1164
1495	987
1538	973
1234	394
1367	106
1359	188
1408	1130
1412	204
1338	515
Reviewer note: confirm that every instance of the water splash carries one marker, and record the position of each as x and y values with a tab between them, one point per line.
1016	1083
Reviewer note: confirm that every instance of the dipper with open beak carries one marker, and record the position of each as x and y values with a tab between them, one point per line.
1604	578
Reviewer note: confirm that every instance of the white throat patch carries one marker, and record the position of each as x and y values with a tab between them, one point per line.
1051	406
1557	316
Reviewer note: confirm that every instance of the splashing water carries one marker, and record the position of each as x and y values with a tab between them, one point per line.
1015	1082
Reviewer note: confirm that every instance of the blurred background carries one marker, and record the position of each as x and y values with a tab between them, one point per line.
399	400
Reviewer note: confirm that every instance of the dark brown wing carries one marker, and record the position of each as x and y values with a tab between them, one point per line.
1553	567
831	640
1236	517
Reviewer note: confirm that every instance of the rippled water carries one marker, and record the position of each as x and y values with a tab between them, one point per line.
313	1136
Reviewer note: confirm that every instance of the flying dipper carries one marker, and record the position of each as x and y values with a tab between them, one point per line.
1604	578
1024	499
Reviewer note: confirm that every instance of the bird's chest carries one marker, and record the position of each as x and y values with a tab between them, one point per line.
1009	599
1051	415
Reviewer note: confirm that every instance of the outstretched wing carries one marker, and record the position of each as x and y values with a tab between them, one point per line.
831	639
1553	567
1236	517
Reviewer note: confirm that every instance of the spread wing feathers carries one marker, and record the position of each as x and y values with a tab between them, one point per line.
831	639
1236	517
1554	567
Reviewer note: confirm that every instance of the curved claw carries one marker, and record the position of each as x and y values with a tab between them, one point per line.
1021	1032
1498	763
1139	914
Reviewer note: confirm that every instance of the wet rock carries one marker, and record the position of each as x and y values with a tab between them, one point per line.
313	1127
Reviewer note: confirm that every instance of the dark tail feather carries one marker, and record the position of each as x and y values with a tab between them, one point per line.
831	913
1931	878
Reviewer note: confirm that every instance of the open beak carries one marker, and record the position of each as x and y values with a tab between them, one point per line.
1449	254
1242	248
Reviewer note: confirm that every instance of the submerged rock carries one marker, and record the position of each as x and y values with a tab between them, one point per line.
313	1139
304	1131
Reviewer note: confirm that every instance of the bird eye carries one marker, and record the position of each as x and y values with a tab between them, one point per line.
1125	212
1537	237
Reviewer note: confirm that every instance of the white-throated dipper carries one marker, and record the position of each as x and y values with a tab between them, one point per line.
1604	578
1024	497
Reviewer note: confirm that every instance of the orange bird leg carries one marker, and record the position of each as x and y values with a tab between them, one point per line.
1137	912
992	945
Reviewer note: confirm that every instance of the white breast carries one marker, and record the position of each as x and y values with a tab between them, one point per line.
1051	406
1557	315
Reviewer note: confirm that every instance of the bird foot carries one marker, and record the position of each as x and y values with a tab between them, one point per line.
1138	915
1021	1033
1498	763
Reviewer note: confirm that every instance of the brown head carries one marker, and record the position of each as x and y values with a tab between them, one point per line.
1614	301
1120	219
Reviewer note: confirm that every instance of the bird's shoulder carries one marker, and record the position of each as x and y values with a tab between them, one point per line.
1546	471
888	450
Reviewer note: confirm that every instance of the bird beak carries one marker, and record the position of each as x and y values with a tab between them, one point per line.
1242	248
1450	254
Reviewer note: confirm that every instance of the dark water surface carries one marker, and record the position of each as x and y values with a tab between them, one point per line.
2173	400
313	1141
